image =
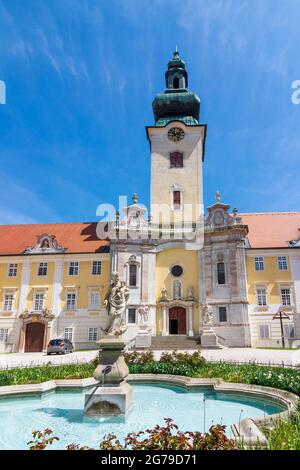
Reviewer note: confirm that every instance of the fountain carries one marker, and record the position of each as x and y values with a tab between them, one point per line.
112	395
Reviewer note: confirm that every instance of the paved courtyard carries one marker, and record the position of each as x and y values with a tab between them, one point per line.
265	356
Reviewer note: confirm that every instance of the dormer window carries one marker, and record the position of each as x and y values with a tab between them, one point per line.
176	160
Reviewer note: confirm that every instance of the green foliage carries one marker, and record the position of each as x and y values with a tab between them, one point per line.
284	434
48	372
277	377
136	357
193	360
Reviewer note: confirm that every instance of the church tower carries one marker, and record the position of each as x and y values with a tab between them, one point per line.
177	143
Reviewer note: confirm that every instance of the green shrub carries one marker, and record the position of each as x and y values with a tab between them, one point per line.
136	357
194	360
26	375
284	434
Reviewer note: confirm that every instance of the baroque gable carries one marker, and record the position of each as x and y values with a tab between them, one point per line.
45	244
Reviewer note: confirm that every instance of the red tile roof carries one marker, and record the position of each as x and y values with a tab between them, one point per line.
266	230
272	229
74	237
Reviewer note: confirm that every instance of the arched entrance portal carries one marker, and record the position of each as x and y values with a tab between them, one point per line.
34	337
177	321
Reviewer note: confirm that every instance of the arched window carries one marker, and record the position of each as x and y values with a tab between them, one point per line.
221	273
176	290
176	83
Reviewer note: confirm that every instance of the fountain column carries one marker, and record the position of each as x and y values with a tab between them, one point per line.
112	395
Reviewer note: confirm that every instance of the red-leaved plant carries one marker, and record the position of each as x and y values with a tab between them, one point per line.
167	437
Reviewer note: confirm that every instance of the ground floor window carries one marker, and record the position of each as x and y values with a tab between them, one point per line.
264	331
69	334
131	315
3	335
289	331
222	314
93	334
94	299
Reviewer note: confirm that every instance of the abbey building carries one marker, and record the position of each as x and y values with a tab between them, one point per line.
176	258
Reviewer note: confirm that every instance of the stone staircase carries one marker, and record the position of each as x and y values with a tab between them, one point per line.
173	342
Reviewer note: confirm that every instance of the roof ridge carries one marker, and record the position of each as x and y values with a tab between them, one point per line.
50	223
269	213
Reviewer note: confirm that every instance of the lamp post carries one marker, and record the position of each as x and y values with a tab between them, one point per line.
280	315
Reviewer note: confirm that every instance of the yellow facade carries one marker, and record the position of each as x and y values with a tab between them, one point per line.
188	260
272	278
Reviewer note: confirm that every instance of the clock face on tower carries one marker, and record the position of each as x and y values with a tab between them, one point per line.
176	134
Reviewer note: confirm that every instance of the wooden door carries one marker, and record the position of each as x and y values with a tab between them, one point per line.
34	339
177	321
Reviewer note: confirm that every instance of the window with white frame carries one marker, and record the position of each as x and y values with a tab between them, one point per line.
42	269
12	270
264	331
8	302
71	300
282	263
259	263
222	314
73	268
94	299
3	335
285	293
132	315
68	334
289	330
96	268
261	296
39	300
93	334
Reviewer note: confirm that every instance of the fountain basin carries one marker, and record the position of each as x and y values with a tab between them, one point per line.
59	405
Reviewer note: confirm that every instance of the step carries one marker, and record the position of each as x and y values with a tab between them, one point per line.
175	342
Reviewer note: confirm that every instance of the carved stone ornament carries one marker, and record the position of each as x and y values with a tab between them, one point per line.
207	314
135	216
143	311
164	295
45	314
218	215
116	301
45	244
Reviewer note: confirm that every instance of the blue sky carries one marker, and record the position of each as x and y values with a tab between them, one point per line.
81	76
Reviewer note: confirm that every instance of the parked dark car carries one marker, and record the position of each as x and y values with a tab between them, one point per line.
59	346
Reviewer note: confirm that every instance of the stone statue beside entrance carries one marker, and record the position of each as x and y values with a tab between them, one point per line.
115	301
209	338
207	315
143	338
